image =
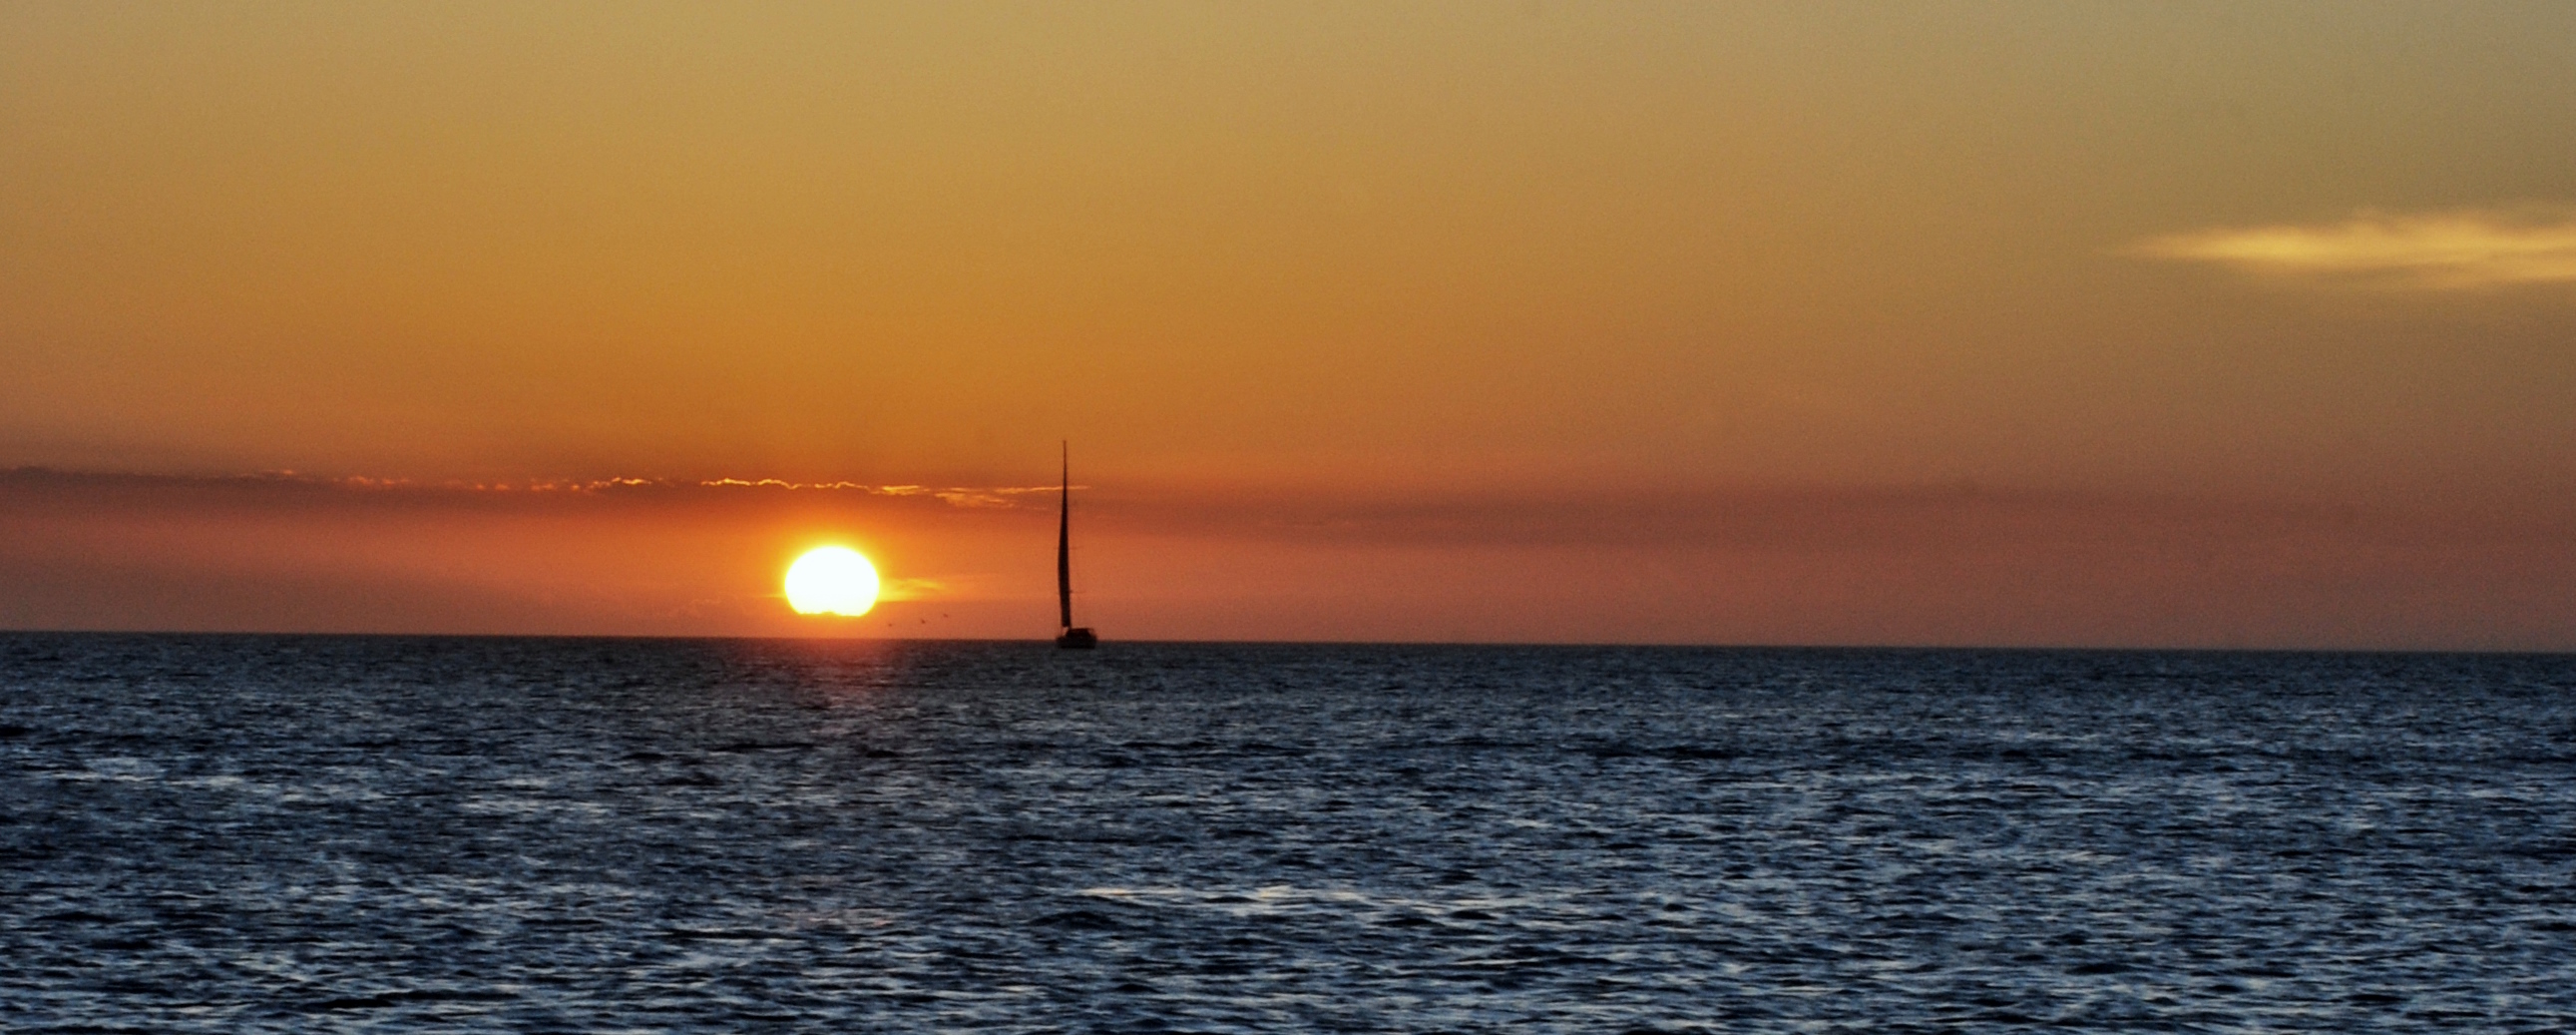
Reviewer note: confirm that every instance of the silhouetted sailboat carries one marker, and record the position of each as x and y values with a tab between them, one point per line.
1073	637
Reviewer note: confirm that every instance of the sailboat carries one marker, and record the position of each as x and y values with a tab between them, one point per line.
1073	637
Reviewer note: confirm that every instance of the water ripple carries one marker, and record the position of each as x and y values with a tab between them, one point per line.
326	833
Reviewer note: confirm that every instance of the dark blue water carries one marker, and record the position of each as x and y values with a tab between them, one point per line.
277	833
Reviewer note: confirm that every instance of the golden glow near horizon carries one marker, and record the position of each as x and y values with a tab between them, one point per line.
833	580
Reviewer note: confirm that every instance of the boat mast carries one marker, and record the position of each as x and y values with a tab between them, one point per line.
1064	541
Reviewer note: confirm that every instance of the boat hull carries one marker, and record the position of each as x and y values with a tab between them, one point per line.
1077	639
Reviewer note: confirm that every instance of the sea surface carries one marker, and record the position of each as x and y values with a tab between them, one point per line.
262	833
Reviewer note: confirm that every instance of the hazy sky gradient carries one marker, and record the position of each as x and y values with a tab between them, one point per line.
1659	266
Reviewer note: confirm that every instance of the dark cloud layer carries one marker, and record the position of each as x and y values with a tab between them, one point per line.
1954	564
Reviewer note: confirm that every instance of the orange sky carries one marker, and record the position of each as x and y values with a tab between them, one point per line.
2187	324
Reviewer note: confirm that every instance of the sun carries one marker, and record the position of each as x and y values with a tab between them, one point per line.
832	580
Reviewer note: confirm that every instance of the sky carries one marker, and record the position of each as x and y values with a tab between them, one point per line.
2040	324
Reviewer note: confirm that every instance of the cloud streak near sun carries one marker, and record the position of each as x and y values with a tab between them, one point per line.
2440	251
985	497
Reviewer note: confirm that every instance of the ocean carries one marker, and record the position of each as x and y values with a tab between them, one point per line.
284	833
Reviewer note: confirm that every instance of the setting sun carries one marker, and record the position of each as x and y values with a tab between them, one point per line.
832	580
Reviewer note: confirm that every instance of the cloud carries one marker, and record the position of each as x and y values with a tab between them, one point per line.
986	497
913	589
2443	251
